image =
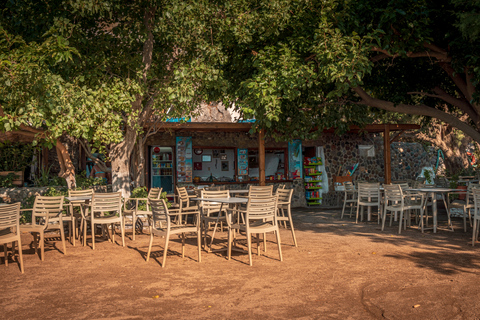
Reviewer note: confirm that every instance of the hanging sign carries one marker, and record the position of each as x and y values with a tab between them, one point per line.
242	161
295	159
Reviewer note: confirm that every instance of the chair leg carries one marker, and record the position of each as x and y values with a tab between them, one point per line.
249	244
358	208
165	250
5	252
474	231
400	222
93	234
42	245
344	204
279	244
134	221
199	242
62	236
20	254
149	247
384	217
122	230
291	226
258	244
229	253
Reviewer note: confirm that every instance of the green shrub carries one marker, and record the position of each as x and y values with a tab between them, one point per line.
7	181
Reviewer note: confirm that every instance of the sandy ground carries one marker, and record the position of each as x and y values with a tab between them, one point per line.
340	270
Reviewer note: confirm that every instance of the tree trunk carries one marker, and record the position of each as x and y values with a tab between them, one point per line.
140	160
67	169
120	155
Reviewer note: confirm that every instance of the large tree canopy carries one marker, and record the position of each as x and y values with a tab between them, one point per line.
319	63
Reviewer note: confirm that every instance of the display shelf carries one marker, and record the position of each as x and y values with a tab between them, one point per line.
313	171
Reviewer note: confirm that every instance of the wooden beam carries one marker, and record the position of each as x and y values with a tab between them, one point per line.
387	159
395	137
261	156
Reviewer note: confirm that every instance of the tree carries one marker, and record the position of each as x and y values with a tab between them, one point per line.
319	64
104	71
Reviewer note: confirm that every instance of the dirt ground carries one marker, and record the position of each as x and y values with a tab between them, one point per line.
340	270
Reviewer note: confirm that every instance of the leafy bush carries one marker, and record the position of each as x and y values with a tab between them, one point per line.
141	192
7	181
15	156
83	182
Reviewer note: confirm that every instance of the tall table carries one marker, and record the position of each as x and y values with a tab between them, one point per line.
432	192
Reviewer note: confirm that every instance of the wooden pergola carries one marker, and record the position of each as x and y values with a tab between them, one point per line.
386	129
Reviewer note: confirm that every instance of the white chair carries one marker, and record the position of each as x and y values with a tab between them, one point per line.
163	226
368	196
10	230
350	197
398	202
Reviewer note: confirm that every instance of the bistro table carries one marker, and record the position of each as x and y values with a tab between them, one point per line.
433	192
223	201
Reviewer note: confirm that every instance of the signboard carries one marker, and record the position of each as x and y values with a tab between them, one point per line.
295	159
242	161
184	159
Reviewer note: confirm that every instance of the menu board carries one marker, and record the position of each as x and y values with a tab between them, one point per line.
184	159
295	159
242	160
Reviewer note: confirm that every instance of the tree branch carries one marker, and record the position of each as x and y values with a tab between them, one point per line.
422	110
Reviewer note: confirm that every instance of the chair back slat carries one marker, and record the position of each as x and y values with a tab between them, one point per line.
45	205
262	208
284	195
209	207
159	213
393	192
260	191
10	216
155	193
106	202
368	190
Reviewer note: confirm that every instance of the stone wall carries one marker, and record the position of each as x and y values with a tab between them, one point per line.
11	195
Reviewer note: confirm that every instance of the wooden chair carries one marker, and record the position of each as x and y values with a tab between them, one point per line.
350	197
260	217
46	215
76	217
132	208
164	226
368	196
284	203
10	230
106	209
212	212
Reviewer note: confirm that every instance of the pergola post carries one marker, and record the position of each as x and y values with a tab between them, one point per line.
261	156
387	159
